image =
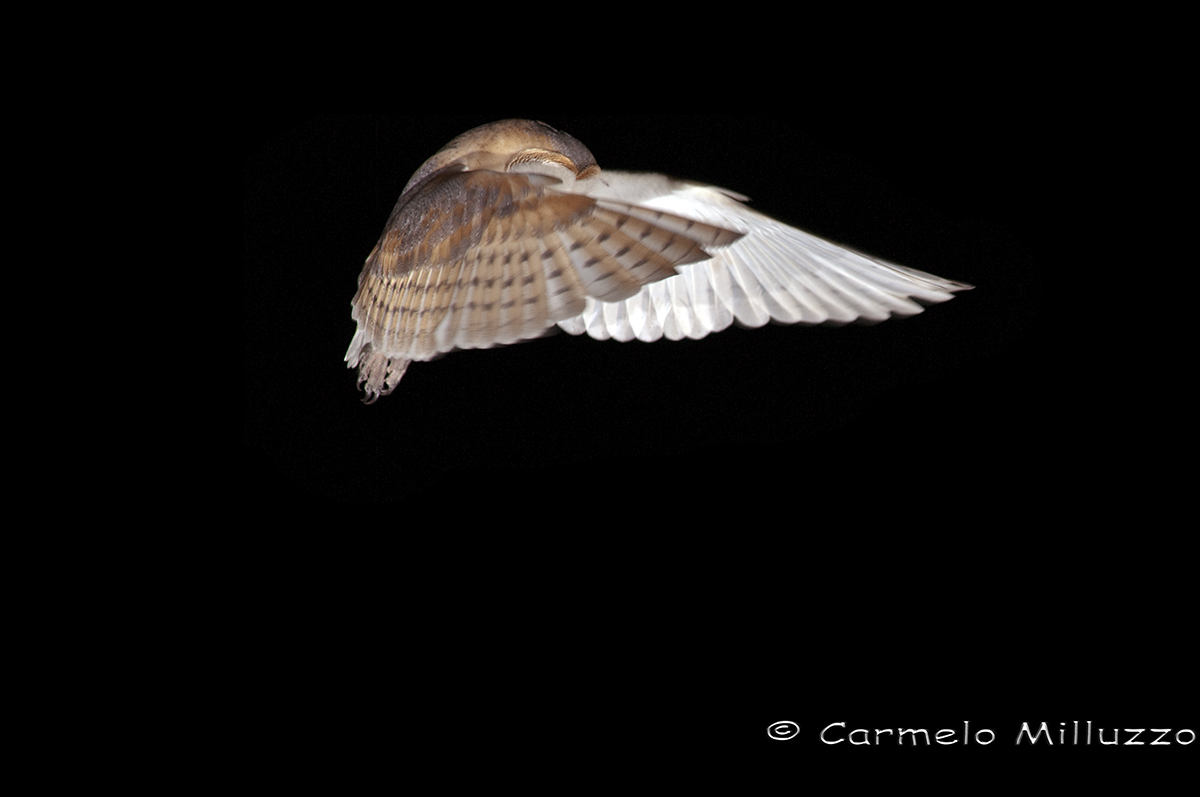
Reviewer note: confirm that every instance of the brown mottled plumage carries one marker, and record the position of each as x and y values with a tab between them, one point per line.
485	248
511	228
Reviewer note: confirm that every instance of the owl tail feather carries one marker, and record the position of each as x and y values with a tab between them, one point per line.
378	373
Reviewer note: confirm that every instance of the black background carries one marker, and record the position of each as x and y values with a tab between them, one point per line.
866	524
897	417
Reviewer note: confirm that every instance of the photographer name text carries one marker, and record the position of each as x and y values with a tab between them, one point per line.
1031	734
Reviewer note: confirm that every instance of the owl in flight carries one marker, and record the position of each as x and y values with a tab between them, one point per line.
512	228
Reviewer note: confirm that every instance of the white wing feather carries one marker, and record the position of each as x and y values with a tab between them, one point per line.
774	272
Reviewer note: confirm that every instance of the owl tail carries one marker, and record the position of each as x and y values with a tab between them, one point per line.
377	375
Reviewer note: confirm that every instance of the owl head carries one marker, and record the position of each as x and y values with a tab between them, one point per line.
514	145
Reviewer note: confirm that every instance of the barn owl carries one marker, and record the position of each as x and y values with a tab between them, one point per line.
512	228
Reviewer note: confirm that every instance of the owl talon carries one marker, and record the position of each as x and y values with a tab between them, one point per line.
379	373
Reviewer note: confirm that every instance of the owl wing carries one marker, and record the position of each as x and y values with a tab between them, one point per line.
472	259
773	272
